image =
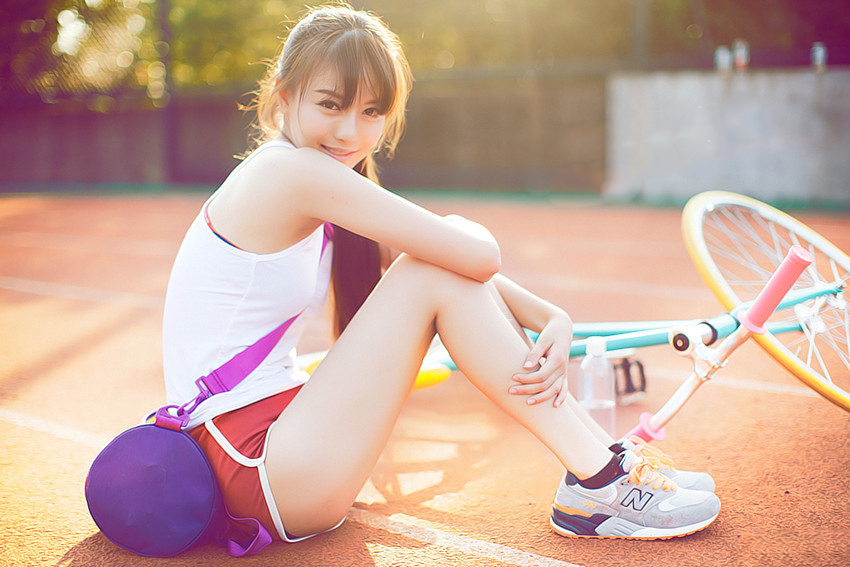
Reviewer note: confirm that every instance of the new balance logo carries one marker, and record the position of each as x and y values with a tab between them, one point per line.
637	499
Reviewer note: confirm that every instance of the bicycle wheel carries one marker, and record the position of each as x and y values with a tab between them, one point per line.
736	243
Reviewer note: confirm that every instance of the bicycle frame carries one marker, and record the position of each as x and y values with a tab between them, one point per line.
624	335
639	334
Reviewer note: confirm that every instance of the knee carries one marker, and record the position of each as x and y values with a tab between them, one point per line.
412	273
407	263
426	274
432	285
431	278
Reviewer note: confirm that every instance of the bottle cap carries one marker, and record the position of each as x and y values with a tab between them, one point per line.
596	346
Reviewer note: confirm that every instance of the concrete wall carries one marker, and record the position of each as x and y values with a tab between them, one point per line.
776	136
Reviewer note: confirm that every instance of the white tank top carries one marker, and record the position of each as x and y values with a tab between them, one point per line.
221	299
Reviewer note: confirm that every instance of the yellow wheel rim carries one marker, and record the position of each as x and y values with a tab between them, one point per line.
710	222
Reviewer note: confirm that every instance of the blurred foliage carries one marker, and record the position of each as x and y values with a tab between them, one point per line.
61	49
26	29
216	44
99	49
496	33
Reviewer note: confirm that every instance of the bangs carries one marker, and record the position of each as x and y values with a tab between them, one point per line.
363	65
358	54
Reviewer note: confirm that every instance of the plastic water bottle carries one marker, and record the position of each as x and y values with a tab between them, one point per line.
596	386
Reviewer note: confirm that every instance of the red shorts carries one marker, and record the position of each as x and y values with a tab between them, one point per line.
245	429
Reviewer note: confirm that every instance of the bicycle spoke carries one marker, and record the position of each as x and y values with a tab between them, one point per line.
739	242
840	329
747	262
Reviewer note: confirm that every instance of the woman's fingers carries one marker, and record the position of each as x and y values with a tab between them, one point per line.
552	391
562	393
538	381
545	374
535	375
548	366
537	354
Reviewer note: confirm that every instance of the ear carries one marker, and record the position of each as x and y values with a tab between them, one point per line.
284	100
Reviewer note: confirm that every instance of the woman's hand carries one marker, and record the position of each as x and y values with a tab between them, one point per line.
546	364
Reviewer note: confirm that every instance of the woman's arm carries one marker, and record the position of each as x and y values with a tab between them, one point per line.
547	360
531	311
327	190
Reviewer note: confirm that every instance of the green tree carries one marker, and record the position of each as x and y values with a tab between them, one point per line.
225	44
76	48
137	48
26	29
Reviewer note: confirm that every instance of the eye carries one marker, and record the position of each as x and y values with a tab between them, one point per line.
372	112
329	104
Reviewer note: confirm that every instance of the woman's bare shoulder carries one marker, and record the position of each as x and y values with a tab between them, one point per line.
287	166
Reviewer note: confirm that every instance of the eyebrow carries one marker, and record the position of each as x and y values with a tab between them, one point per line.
334	94
329	92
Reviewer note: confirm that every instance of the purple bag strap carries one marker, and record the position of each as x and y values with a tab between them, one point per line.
231	373
260	537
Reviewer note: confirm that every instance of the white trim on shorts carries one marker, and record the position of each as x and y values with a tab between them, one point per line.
259	463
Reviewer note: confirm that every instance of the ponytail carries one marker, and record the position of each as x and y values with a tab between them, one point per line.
356	264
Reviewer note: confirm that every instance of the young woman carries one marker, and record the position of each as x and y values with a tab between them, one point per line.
293	452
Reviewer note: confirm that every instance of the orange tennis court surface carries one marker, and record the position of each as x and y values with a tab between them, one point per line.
82	282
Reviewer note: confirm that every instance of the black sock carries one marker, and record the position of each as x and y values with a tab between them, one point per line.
608	473
617	448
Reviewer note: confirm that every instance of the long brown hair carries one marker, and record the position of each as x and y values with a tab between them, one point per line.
365	53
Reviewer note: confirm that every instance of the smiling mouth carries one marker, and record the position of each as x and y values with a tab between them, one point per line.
338	153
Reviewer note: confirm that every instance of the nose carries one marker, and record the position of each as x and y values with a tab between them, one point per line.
346	128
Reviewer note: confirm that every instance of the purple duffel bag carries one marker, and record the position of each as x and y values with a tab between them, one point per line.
152	491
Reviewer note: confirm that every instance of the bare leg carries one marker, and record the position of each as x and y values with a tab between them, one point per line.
325	445
588	421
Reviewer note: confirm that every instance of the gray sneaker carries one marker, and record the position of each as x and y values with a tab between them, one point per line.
639	504
663	463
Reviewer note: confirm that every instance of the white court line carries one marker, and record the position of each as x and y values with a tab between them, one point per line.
419	530
81	293
401	524
54	429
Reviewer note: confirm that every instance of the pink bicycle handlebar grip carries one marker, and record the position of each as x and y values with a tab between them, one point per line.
754	318
645	431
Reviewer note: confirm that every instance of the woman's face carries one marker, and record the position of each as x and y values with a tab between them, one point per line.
315	119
